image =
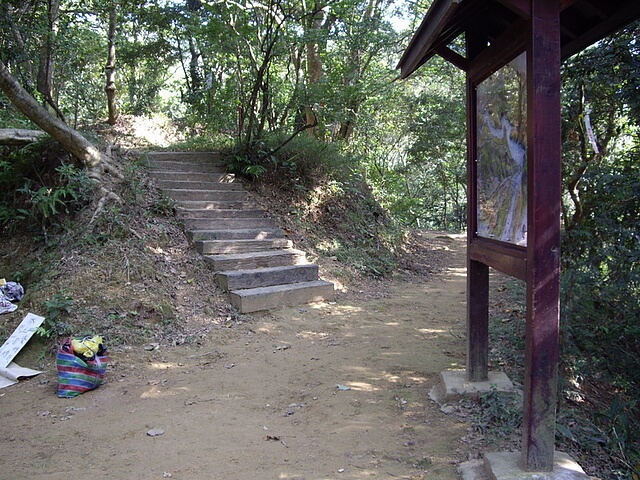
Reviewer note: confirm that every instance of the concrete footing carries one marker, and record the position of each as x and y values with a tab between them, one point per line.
507	466
454	384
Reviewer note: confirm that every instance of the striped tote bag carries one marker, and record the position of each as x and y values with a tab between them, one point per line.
78	375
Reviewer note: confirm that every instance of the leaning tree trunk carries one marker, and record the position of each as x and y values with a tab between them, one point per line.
70	139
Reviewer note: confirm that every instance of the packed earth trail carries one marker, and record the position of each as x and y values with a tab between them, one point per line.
325	391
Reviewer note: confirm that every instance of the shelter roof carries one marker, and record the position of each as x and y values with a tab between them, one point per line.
582	22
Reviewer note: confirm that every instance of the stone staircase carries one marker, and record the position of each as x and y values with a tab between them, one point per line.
255	263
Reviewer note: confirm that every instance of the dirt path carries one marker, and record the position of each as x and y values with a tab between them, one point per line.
331	391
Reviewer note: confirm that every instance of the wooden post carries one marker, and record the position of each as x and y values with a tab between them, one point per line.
477	272
477	321
543	251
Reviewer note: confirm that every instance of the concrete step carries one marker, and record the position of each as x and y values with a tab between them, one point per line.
198	185
246	233
222	213
187	205
177	166
263	277
227	223
186	156
216	247
222	177
206	195
265	298
253	260
252	257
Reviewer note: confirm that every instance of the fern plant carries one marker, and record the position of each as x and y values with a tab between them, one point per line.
45	203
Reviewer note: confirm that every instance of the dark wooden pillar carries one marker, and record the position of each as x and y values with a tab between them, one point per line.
543	251
477	321
477	272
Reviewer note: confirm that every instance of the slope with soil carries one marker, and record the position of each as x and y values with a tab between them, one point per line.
335	390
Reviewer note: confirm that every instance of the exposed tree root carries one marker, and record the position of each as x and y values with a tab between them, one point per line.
106	195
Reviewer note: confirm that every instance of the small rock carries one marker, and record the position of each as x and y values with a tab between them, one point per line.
154	432
447	409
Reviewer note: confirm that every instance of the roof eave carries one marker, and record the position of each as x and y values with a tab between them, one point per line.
420	48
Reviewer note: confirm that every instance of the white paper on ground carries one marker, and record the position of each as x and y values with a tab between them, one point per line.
10	374
9	371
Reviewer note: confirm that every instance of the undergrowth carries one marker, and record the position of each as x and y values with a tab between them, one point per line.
319	192
126	273
597	422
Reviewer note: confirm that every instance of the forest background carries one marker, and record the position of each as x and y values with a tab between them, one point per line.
303	96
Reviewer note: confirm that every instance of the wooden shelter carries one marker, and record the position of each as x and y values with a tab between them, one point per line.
511	51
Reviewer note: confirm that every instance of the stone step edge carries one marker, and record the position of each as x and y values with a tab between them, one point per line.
265	298
245	292
233	276
205	247
195	233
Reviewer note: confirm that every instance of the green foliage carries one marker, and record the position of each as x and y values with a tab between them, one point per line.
41	192
610	433
498	414
592	424
415	159
297	164
57	309
601	247
203	141
329	201
620	423
250	162
164	206
357	230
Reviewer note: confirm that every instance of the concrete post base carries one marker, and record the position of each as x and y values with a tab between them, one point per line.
507	466
454	384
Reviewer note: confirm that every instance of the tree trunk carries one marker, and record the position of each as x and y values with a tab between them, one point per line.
45	72
316	28
70	139
24	64
110	68
19	136
194	73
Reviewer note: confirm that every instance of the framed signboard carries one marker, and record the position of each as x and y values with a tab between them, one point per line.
501	210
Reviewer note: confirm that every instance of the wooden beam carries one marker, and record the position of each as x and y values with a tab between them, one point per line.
623	15
521	7
599	8
419	49
543	249
452	57
566	3
506	47
504	257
